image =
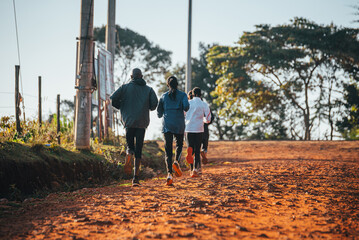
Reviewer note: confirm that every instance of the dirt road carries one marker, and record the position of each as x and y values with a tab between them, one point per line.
251	190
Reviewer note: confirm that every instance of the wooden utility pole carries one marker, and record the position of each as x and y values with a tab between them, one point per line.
39	104
189	66
111	28
17	99
58	117
110	46
84	76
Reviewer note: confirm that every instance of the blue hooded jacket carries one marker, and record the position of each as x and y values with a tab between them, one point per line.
172	111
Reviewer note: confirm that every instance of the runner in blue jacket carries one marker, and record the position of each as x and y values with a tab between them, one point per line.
171	107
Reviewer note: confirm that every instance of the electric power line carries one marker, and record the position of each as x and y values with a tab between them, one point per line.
25	94
18	55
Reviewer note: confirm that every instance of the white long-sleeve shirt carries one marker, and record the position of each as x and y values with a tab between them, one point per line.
197	115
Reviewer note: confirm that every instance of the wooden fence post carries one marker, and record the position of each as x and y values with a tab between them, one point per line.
39	103
58	118
17	99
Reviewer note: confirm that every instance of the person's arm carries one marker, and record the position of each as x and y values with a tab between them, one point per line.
212	116
185	103
160	108
116	98
207	113
153	100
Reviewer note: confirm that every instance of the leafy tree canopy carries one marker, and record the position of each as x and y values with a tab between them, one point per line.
283	65
349	125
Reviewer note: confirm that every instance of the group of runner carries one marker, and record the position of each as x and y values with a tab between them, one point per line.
184	115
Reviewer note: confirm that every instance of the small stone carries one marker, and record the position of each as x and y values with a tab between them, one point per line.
263	235
243	229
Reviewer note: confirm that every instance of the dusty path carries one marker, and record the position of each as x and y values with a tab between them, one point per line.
252	190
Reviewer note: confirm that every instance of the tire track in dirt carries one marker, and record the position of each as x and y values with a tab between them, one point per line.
252	196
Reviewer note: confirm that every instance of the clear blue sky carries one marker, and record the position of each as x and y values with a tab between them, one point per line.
48	30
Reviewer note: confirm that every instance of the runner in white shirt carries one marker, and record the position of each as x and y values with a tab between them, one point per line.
196	116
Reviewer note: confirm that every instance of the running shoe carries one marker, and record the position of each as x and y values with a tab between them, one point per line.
128	164
194	173
169	180
177	169
204	157
189	156
135	182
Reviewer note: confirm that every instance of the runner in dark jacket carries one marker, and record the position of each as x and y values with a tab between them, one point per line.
134	100
171	107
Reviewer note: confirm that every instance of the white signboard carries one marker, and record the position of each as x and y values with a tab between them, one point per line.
102	74
107	85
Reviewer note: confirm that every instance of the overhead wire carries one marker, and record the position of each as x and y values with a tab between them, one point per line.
18	55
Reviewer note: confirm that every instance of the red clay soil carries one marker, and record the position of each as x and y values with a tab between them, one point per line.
250	190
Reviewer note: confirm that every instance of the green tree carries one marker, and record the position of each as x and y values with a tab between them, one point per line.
285	65
349	125
135	50
242	101
223	125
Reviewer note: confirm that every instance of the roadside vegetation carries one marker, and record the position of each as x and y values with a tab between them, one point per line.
34	164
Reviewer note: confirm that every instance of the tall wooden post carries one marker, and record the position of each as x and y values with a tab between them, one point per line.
110	46
189	66
39	118
17	99
84	76
58	117
74	109
111	28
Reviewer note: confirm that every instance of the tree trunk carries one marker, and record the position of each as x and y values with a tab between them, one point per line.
307	113
220	133
307	127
